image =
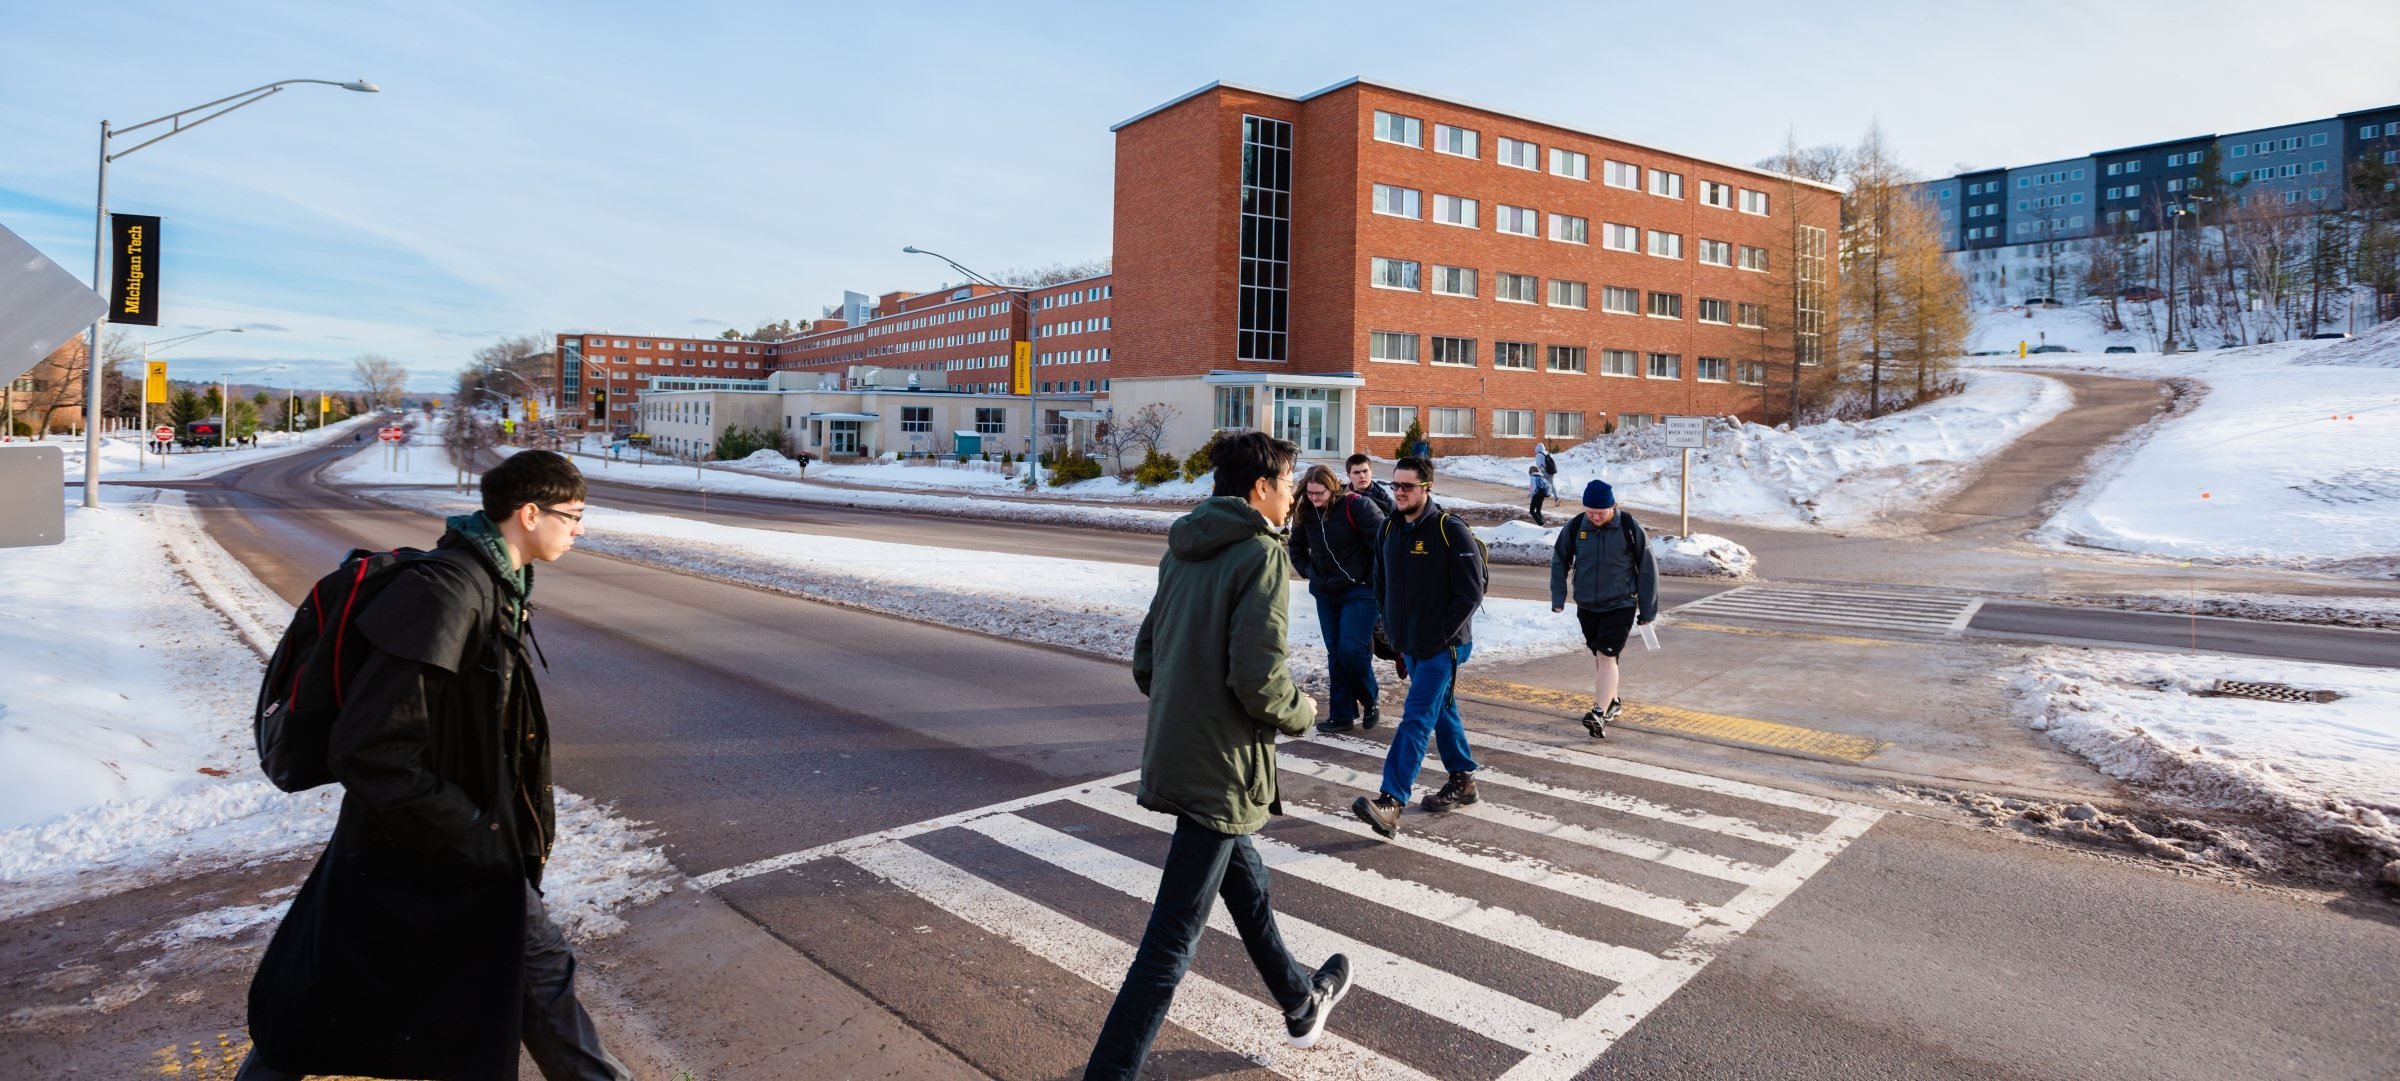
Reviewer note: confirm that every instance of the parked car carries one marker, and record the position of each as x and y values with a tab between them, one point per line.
2331	334
2120	349
2049	349
2043	302
2141	292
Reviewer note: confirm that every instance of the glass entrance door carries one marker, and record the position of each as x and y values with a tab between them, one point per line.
1304	423
842	437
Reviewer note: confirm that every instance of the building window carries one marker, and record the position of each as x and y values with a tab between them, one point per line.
1754	258
1620	362
1569	164
1454	352
1393	274
1715	311
1710	370
2317	139
1392	346
991	421
916	418
1390	419
1751	373
1569	229
1627	422
1808	290
1452	210
1666	183
1716	252
1755	202
1751	315
1454	281
1512	423
1266	244
1621	300
1457	423
1666	305
1399	202
1567	294
1455	140
1518	288
1517	355
1237	407
1616	237
1617	174
1716	195
1562	425
1666	245
1515	220
1519	154
1666	366
1389	128
1567	358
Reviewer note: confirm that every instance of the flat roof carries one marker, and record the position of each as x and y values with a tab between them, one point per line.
1360	80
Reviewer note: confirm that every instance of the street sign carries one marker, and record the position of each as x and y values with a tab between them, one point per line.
154	383
389	435
1686	432
162	433
46	305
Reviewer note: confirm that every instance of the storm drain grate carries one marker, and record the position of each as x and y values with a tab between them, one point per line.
2269	692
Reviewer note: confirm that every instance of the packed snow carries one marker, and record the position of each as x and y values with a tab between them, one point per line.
1700	555
2329	771
124	456
125	750
1842	475
2291	458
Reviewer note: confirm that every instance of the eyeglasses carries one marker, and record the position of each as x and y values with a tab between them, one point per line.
1409	486
572	516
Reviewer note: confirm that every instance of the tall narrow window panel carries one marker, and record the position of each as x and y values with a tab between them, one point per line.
1266	241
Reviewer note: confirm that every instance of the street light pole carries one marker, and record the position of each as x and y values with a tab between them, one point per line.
1033	363
91	365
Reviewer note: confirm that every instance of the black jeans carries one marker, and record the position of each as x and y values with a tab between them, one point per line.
557	1032
1202	865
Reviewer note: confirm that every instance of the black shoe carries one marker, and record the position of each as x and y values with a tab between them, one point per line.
1370	716
1595	721
1382	814
1460	790
1330	727
1326	989
1615	706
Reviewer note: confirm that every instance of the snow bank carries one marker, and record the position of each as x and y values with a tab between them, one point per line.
124	455
1700	555
2328	772
2291	458
125	750
1835	475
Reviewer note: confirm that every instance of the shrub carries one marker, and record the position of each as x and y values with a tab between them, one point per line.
1197	465
736	442
1158	467
1409	440
1069	467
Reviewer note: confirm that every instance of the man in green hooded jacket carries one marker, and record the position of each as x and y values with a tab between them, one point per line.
1212	657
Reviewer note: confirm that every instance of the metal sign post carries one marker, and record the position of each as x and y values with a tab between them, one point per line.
1687	434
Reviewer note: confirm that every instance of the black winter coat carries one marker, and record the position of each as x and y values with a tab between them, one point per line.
1335	551
404	954
1430	578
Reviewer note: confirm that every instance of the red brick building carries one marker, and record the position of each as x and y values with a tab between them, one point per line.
969	332
1335	265
624	364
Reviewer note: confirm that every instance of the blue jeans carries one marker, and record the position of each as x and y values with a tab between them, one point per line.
1431	712
1202	865
1346	615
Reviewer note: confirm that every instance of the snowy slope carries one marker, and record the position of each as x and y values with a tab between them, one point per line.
1836	475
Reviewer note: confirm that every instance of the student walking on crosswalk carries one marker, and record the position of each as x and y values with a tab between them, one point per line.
1212	656
1429	580
1607	555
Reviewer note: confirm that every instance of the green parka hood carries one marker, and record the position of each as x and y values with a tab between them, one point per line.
1215	525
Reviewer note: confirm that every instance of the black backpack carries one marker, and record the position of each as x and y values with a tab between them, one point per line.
321	652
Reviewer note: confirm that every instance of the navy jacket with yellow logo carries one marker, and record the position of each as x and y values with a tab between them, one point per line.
1429	582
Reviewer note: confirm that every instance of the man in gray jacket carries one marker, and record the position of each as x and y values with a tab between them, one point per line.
1608	557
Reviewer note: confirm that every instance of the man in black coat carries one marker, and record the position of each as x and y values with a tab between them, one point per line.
419	946
1430	577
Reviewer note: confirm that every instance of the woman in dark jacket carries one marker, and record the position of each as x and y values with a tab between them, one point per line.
1333	546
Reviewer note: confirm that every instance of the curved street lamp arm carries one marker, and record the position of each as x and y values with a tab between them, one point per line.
246	97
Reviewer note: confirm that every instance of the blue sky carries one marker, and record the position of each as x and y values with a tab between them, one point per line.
681	168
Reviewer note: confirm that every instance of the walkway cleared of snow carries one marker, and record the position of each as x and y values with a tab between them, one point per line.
1839	475
2291	458
2329	771
125	749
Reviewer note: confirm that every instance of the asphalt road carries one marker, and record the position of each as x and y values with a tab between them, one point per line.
743	725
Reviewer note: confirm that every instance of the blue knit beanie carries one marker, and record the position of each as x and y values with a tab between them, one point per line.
1599	496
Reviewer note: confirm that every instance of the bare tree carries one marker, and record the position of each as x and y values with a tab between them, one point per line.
2104	276
1870	298
384	378
1054	273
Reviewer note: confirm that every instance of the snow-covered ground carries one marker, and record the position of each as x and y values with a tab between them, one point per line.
124	455
2328	771
2290	458
125	748
1700	555
1841	475
1089	606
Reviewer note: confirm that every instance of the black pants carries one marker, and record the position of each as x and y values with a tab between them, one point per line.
1202	865
557	1032
1536	508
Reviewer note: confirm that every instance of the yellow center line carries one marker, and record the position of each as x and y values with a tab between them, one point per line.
1748	731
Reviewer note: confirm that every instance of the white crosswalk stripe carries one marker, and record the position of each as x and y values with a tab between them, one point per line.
1839	608
1560	859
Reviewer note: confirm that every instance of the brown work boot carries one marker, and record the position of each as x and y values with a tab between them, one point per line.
1381	814
1460	790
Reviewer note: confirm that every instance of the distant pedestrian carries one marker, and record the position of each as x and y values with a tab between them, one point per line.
1544	460
803	460
419	945
1211	656
1542	493
1422	449
1362	480
1430	578
1333	546
1607	556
